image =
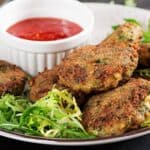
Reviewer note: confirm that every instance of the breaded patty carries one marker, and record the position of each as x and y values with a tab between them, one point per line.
12	79
119	110
91	68
41	84
144	55
102	67
127	35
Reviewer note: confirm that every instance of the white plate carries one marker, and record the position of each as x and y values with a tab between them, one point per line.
106	16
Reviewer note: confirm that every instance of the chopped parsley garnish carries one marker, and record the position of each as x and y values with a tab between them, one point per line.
115	27
131	20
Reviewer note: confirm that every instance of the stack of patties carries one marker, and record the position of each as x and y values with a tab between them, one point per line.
98	69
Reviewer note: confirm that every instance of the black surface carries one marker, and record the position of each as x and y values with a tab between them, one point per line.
140	3
142	143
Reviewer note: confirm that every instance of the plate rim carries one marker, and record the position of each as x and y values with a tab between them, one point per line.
74	142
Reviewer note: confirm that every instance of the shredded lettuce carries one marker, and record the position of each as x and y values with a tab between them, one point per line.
146	123
11	108
131	20
145	73
146	36
54	116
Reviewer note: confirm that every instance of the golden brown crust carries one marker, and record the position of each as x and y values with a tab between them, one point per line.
93	68
12	78
144	55
117	111
42	83
127	35
102	67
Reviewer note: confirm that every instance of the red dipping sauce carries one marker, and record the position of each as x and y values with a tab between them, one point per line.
44	29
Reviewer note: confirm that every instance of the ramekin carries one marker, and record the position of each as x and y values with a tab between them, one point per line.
35	56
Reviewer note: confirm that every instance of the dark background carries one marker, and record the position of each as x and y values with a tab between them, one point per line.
140	3
142	143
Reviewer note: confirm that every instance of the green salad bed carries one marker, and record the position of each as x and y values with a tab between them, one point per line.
54	116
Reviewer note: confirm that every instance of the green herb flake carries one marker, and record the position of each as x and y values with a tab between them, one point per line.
131	20
115	27
123	37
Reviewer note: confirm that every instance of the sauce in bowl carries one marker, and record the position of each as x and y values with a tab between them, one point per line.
44	29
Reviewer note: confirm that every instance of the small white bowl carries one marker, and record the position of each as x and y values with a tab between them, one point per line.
35	56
